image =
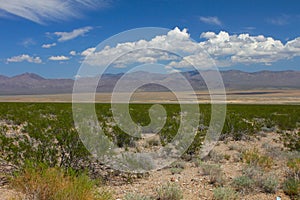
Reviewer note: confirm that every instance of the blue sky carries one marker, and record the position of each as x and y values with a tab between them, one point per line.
50	38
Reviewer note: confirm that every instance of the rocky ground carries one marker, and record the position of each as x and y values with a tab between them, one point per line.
190	177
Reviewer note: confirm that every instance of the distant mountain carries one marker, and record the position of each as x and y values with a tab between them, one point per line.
30	83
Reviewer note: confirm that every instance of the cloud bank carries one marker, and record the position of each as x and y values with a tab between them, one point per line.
222	49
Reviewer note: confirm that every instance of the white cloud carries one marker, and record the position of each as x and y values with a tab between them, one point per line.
47	46
280	21
28	42
211	20
58	58
24	57
221	49
64	36
53	10
73	53
88	51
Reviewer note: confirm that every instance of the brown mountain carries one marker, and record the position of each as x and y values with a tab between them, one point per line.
30	83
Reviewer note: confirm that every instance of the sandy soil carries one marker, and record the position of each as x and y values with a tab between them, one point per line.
196	186
233	96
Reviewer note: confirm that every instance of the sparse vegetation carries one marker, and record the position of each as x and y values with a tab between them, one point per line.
291	140
214	172
176	170
243	184
134	196
254	158
42	182
225	193
45	133
291	187
270	184
169	191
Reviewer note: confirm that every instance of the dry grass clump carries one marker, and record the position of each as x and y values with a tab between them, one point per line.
254	158
169	191
45	183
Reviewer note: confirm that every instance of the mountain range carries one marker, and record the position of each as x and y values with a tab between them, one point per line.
29	83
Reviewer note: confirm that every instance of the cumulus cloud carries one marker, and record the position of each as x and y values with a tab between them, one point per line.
221	49
88	51
47	46
73	53
64	36
24	57
59	58
244	48
211	20
55	10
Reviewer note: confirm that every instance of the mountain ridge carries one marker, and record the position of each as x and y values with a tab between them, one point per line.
31	83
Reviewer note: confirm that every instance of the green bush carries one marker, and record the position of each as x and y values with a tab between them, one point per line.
243	183
169	191
270	184
291	187
225	193
294	167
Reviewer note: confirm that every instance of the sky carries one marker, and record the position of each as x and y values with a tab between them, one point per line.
53	37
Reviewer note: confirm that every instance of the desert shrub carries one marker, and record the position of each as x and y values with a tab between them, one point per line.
225	193
215	156
42	182
44	138
178	164
291	140
214	172
294	168
291	187
174	170
243	183
270	184
237	128
254	158
169	191
253	172
134	196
